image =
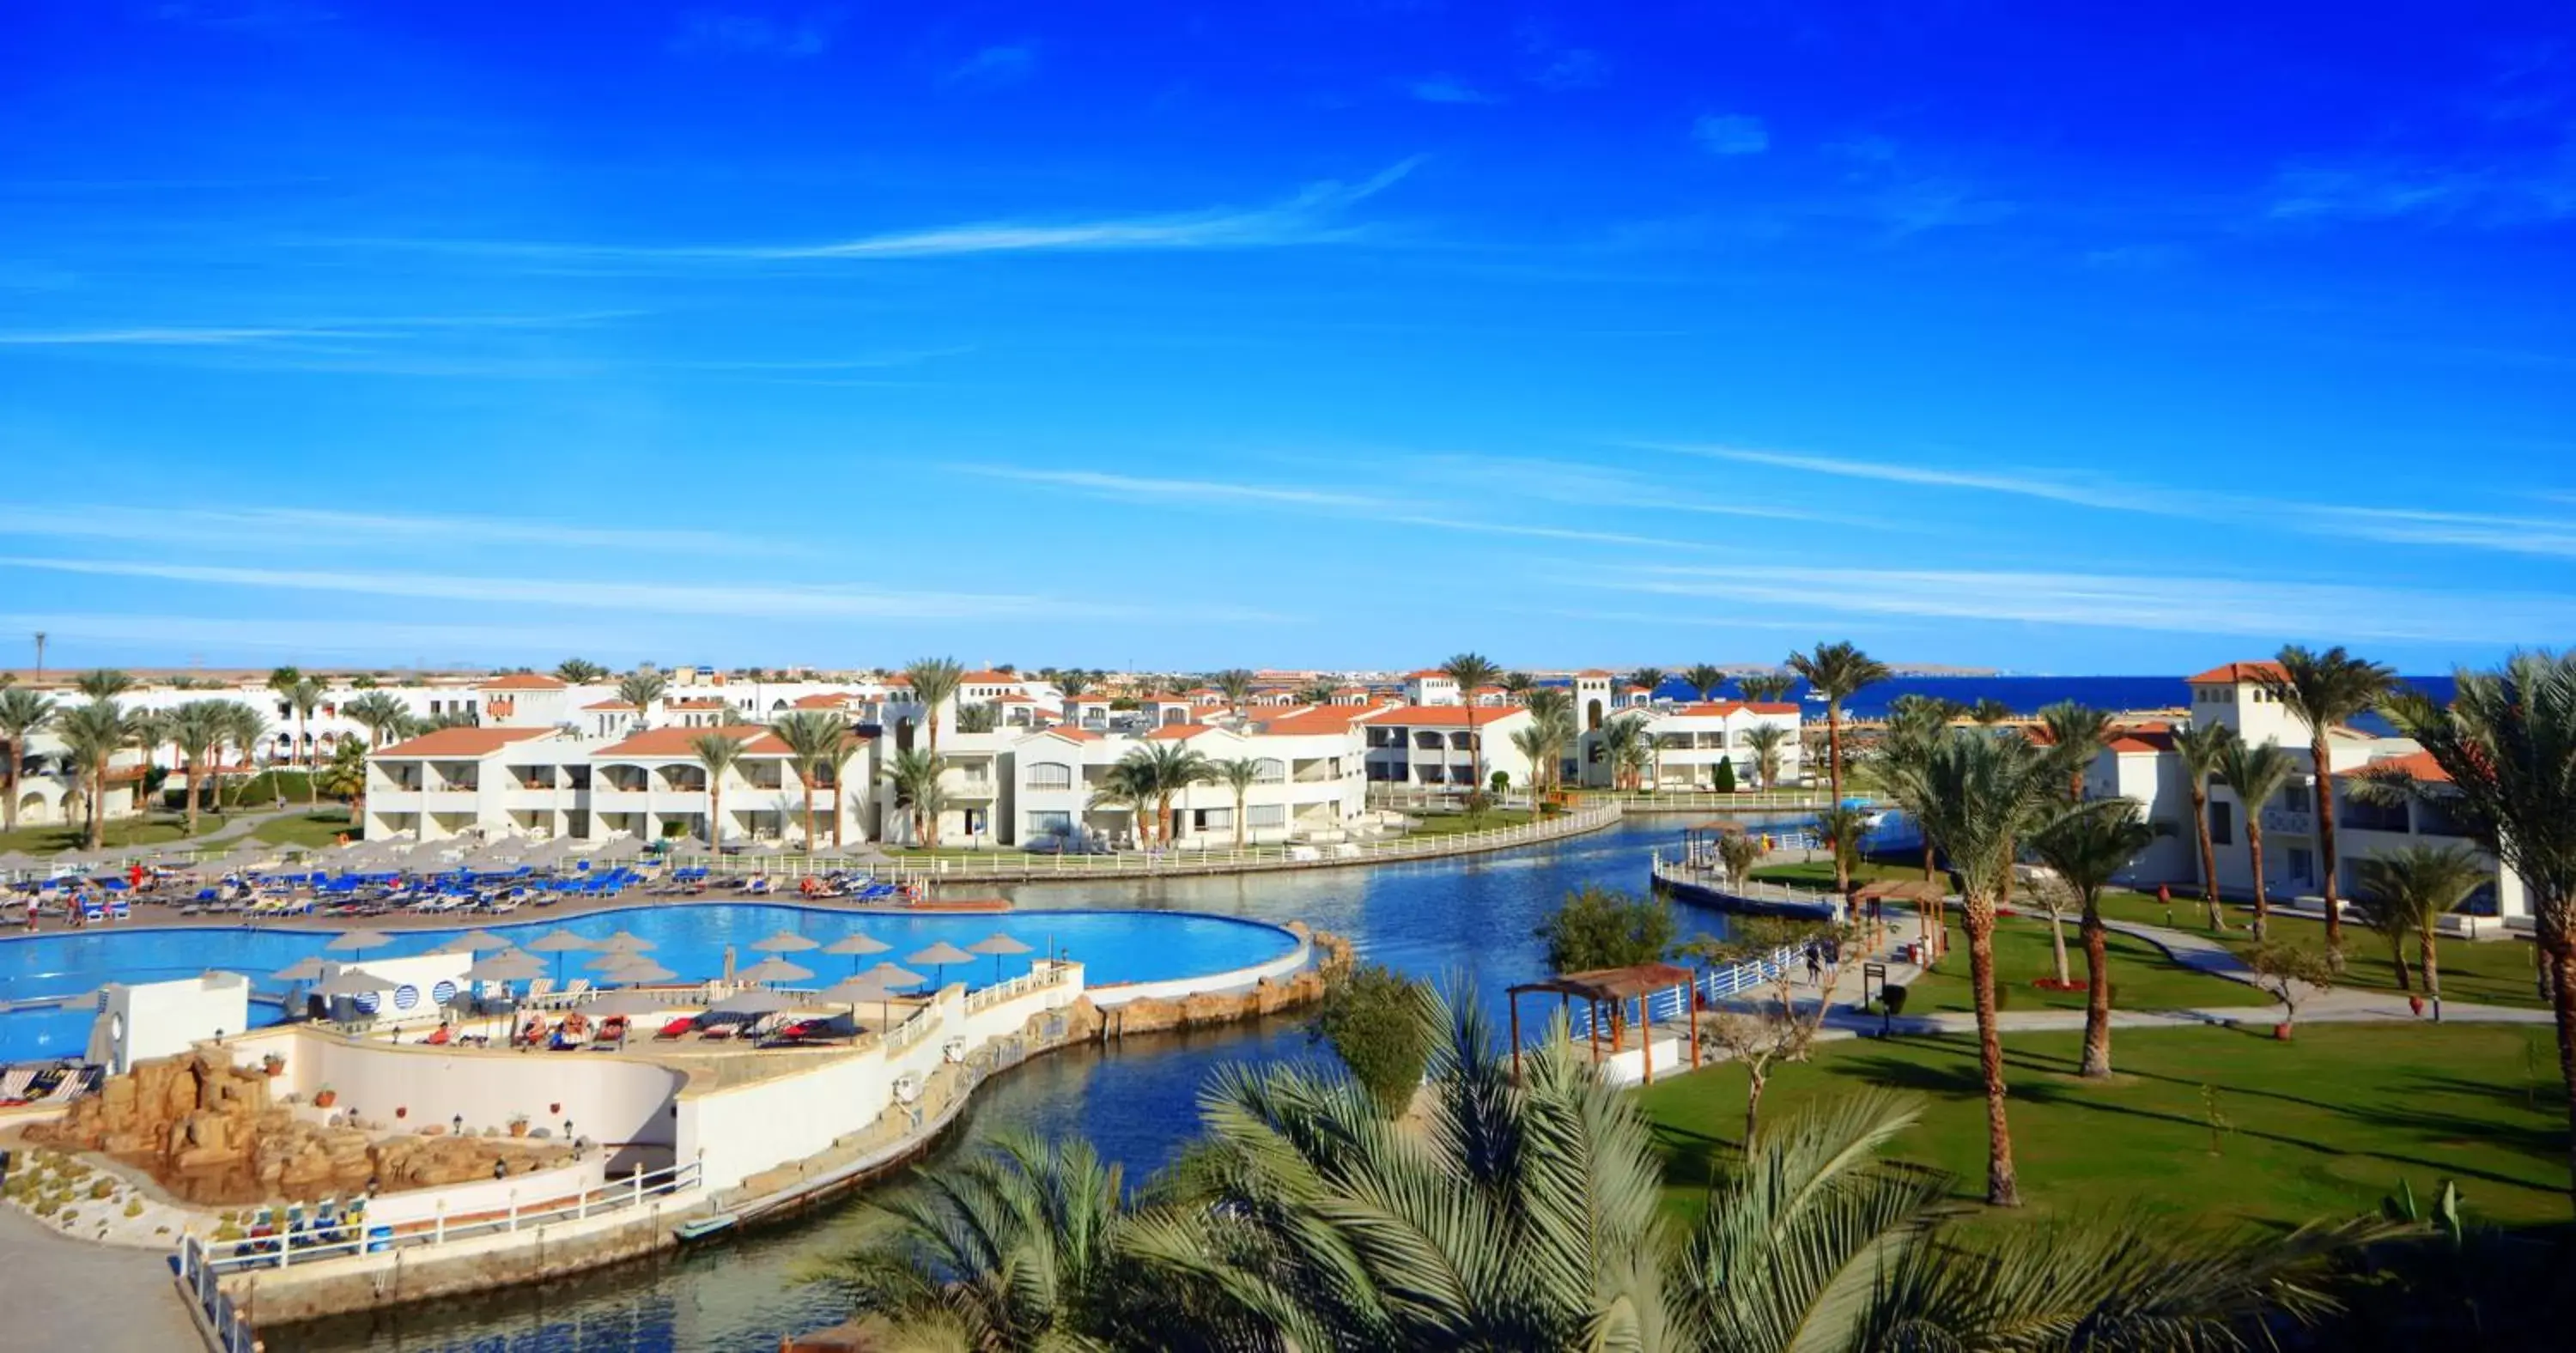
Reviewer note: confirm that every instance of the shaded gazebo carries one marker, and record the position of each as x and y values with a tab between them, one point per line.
1927	896
1615	988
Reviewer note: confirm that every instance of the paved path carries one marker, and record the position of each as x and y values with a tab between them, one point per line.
67	1293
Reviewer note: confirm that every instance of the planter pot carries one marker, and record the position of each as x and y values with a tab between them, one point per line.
325	1099
2416	1004
401	1112
519	1129
553	1110
2281	1032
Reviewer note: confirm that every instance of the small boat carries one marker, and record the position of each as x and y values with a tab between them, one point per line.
702	1227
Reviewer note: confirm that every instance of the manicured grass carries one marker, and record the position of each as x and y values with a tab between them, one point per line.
2326	1125
314	829
1446	824
120	833
1819	873
2142	976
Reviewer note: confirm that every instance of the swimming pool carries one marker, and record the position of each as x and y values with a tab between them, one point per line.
689	938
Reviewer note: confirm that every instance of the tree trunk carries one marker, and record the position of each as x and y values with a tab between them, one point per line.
2326	845
2432	973
1238	822
1834	749
2208	855
98	806
1752	1107
2001	1188
10	774
190	793
2397	957
2057	940
2562	1002
312	763
808	782
715	819
2097	993
2262	904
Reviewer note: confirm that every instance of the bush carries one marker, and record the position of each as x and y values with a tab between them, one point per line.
1726	777
1379	1023
1597	927
133	1207
1893	999
103	1189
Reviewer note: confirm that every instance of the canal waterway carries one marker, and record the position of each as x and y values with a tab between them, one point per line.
1466	919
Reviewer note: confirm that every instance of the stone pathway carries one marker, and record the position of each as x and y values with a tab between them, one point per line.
67	1293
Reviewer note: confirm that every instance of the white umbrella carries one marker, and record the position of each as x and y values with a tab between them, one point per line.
357	941
939	956
997	944
784	942
773	970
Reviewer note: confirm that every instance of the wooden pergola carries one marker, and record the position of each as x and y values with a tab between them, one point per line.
1925	894
1615	987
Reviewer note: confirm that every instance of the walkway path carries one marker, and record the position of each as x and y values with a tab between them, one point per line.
71	1294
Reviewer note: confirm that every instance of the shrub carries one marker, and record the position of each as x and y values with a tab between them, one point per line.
134	1207
103	1189
1725	777
228	1229
1893	998
1598	927
1379	1022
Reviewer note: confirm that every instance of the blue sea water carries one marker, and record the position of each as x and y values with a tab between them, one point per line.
2022	694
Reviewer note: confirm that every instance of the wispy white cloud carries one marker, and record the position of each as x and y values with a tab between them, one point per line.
994	67
2272	610
1567	533
274	530
1446	89
1727	134
1314	215
2026	484
733	33
2498	190
747	600
1179	490
311	334
341	636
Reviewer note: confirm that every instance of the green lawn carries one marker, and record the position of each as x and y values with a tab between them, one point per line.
2495	972
1446	824
2142	977
313	829
2326	1125
120	834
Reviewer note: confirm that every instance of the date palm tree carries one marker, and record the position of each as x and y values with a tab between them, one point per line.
2200	748
1517	685
2323	690
1707	678
811	735
1531	741
244	729
1129	785
2408	892
2506	742
1235	684
579	671
641	689
1240	775
1544	702
1472	671
1171	768
1765	740
1837	672
1073	681
934	684
147	729
23	714
1652	678
2078	730
1979	793
717	753
381	714
304	697
2088	848
94	731
197	729
831	766
1620	739
2256	772
102	683
1315	693
1841	828
1765	688
918	778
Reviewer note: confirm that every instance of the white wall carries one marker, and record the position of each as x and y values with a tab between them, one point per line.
609	1097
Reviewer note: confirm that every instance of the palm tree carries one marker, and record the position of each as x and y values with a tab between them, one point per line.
1072	681
1707	678
243	728
2200	748
305	697
934	684
94	732
1016	1245
1472	671
1989	712
2077	730
917	777
2257	773
831	764
579	671
2323	690
1171	768
2506	742
1128	785
379	713
23	714
1765	688
641	689
1235	684
716	753
1620	738
1517	685
147	729
1316	693
1652	678
1841	828
1544	702
345	778
1240	774
1531	741
1766	740
810	735
1978	794
2412	889
104	683
197	728
2088	848
1837	672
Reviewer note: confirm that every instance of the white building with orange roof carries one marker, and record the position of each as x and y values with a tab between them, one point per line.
1690	741
1430	686
1310	785
1434	746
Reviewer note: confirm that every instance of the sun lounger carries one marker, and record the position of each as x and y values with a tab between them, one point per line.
440	1037
675	1029
579	986
611	1030
540	988
717	1033
14	1084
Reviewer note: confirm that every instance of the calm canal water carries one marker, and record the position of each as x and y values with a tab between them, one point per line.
1467	918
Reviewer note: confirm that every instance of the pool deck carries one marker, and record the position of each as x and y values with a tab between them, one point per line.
72	1293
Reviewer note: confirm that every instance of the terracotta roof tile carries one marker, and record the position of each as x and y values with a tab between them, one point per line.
674	742
2413	765
2234	673
608	705
1721	708
1445	716
521	681
463	742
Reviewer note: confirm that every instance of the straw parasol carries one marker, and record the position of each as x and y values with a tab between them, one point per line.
302	970
357	941
854	946
628	941
939	956
509	965
772	970
558	943
474	942
627	1003
754	1002
853	991
352	982
639	969
893	976
785	942
997	944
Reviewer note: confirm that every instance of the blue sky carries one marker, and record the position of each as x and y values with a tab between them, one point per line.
1329	334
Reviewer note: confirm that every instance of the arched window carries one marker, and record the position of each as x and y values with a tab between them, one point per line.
1592	715
1050	775
1270	770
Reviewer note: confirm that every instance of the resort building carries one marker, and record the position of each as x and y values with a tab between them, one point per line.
1430	746
1689	741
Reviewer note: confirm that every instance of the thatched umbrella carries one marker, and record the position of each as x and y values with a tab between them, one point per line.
784	942
474	942
997	944
357	941
754	1002
352	982
939	956
559	943
302	970
638	969
509	965
773	970
856	945
894	976
628	941
851	991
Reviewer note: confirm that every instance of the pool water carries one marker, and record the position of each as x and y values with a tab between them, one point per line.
1467	919
689	938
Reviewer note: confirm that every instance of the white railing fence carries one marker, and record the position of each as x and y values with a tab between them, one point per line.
351	1234
1717	984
